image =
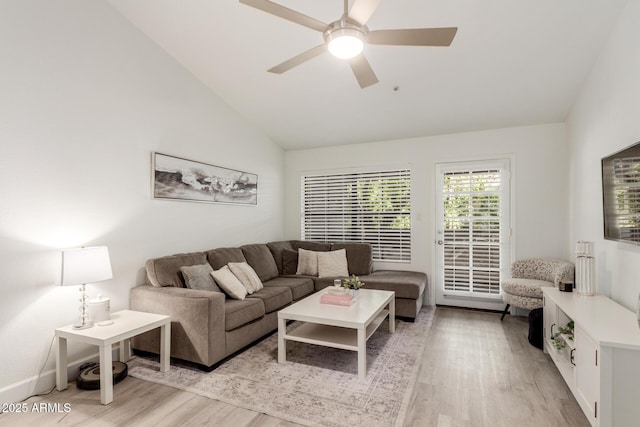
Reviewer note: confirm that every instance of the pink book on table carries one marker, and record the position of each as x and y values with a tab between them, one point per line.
336	299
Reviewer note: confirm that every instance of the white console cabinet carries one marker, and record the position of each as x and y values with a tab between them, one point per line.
601	365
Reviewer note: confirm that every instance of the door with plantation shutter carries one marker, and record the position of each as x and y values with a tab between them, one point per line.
472	233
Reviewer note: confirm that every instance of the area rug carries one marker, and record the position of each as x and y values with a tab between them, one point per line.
317	386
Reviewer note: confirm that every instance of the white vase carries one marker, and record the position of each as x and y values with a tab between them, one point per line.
354	292
585	275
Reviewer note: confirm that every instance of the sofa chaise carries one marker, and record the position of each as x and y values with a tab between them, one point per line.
208	326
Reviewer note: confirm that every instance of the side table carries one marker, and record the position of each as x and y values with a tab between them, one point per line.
127	324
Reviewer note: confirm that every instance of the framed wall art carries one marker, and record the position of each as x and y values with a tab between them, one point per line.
175	178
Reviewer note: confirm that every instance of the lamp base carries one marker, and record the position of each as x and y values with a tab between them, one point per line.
84	322
88	324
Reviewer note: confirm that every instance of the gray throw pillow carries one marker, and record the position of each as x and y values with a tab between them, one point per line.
199	277
289	262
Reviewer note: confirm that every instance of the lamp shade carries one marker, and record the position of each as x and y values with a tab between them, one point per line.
85	265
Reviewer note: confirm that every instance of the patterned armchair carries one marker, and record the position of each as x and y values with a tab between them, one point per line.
523	289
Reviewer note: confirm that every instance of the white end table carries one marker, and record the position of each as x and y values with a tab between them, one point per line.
127	324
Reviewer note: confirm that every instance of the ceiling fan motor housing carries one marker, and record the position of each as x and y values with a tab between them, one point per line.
345	39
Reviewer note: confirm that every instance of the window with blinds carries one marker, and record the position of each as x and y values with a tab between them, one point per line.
367	207
472	229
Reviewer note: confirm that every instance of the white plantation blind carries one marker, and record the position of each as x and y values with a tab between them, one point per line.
364	207
473	231
626	205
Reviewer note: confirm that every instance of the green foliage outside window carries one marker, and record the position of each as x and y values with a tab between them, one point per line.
389	198
470	195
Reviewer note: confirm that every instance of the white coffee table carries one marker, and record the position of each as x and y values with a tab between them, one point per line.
329	325
127	324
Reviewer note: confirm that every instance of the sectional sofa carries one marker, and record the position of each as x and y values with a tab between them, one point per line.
208	326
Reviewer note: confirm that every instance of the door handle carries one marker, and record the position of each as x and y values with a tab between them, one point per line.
440	242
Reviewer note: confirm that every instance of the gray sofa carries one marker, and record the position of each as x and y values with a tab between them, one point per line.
207	326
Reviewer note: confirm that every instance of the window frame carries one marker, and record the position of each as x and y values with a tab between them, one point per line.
390	243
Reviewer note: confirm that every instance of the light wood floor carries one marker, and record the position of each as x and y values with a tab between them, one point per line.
476	371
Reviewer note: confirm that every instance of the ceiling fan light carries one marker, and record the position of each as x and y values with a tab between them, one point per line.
345	43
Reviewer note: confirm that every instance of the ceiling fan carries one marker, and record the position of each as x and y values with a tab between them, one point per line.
346	37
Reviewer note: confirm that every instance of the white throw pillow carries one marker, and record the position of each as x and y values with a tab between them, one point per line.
229	283
247	276
333	264
307	262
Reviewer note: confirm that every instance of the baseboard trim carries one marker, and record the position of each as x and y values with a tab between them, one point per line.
21	390
456	307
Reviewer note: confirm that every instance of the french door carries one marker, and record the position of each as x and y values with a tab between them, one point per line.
472	232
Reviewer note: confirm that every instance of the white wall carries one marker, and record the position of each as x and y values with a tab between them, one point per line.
539	175
85	98
605	119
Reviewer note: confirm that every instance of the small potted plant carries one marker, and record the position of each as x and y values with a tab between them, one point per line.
353	284
559	339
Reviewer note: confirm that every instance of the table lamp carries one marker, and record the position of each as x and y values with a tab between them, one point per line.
81	266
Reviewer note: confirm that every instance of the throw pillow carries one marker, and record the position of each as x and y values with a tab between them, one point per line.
247	276
307	262
199	277
333	264
289	262
229	283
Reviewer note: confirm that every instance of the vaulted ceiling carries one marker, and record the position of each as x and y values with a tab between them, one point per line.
511	63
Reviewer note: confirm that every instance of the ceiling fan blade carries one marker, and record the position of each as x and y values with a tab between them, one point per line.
298	59
286	13
362	10
413	37
363	71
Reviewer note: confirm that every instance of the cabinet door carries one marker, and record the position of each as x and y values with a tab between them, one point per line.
587	374
550	314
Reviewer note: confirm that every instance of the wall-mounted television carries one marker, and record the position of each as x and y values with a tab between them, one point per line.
621	195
